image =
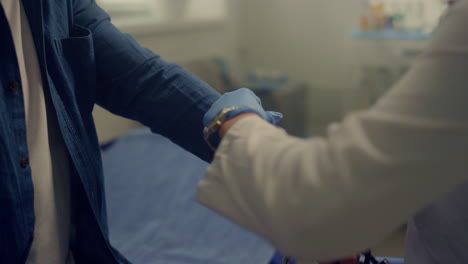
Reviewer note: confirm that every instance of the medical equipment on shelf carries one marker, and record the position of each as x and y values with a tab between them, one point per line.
401	15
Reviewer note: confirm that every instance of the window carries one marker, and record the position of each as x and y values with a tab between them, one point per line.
165	10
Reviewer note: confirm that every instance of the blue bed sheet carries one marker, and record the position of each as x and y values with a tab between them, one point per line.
153	216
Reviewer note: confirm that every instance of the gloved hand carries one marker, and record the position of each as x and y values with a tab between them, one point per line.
244	98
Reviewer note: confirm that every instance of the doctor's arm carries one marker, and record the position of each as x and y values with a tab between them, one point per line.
136	83
326	198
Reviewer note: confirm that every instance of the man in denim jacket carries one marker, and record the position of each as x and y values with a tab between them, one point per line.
58	58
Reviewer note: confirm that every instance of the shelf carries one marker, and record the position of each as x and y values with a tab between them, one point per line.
414	35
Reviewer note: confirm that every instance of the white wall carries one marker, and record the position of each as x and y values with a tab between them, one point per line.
308	39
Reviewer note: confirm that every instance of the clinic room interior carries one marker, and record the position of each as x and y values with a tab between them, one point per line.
315	61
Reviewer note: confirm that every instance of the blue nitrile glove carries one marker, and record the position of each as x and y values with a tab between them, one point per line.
249	103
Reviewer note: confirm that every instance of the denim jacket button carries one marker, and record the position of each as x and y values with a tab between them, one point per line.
14	85
24	163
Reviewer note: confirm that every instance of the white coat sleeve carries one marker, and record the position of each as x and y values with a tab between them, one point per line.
326	198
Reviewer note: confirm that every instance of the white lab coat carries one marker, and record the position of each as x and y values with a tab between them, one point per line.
324	198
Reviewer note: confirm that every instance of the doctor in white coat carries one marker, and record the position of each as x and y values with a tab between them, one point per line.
404	160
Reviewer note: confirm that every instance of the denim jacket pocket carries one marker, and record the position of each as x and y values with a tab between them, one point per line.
79	63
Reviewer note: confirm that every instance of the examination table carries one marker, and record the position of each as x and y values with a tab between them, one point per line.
153	214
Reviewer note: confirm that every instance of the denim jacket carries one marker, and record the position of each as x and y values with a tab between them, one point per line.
85	60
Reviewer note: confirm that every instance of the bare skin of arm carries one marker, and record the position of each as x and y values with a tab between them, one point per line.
229	123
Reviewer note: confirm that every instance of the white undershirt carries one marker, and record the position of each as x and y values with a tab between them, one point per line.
47	155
